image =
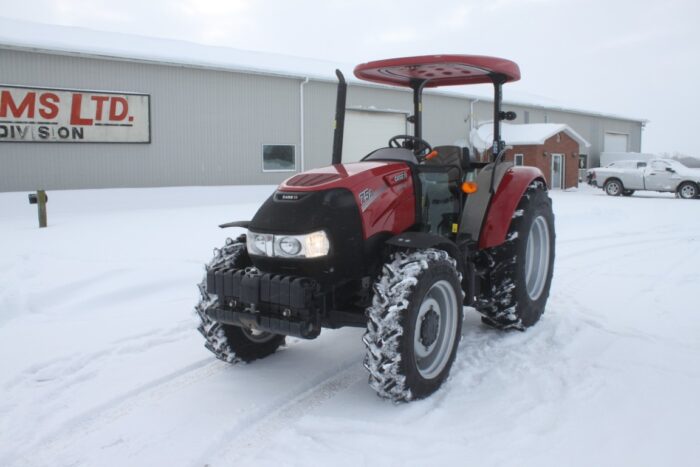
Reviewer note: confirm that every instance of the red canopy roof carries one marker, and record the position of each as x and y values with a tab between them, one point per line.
440	70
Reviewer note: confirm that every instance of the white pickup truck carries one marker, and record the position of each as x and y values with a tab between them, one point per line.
625	177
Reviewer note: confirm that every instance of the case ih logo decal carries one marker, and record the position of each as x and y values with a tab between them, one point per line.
53	115
400	177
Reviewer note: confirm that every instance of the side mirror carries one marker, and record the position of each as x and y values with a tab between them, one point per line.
466	160
669	169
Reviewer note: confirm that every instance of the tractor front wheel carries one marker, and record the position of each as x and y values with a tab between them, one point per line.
414	325
229	343
518	273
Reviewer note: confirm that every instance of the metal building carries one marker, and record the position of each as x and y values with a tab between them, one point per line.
210	116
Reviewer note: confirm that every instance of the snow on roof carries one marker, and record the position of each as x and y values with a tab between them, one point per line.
64	40
522	134
82	41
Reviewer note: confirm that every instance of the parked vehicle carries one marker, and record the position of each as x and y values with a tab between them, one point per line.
663	175
397	244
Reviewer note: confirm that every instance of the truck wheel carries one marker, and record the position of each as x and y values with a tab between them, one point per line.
688	190
627	192
518	274
229	343
413	325
613	187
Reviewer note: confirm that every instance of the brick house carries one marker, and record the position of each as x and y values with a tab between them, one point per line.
554	148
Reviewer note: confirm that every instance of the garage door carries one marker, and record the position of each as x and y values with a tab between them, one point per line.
367	131
615	142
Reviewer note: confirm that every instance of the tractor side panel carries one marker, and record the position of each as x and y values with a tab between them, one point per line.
511	189
387	202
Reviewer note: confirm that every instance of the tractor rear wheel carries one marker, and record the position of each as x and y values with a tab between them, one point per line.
518	273
414	325
229	343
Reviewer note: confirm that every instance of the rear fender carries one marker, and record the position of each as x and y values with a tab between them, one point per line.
504	202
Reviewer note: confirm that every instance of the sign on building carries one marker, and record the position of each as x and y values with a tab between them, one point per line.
37	115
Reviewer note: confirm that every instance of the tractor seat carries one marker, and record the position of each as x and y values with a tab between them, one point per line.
448	155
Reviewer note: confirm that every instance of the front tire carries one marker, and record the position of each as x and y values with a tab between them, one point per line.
232	344
627	192
613	187
688	190
413	325
517	275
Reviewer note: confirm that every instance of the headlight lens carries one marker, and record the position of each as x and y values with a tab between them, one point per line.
290	246
313	245
317	244
259	244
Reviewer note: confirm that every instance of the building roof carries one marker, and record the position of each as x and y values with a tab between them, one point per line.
75	41
523	134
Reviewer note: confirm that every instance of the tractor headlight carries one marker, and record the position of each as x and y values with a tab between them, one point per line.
313	245
259	244
316	244
289	246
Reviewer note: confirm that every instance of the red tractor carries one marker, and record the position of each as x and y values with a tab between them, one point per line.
397	243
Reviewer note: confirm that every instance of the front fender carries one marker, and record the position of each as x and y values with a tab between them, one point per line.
503	203
424	240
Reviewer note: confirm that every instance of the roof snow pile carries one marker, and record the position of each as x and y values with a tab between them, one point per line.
83	41
26	34
522	134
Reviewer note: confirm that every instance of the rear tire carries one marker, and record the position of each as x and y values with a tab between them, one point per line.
688	190
414	325
613	187
517	274
627	192
232	344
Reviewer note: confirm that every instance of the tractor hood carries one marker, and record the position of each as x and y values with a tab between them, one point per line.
348	176
355	204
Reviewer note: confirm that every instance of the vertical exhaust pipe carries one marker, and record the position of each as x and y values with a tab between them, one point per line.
339	124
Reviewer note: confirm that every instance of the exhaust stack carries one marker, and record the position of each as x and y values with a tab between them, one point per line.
339	124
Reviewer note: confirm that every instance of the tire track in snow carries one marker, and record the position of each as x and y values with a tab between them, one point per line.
618	245
66	435
251	433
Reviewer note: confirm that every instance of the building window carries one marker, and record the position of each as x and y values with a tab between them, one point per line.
583	161
527	116
519	159
279	158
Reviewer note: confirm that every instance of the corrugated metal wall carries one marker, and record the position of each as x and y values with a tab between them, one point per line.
208	126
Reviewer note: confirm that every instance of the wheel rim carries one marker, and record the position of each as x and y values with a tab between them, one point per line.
433	341
537	257
688	191
257	336
613	188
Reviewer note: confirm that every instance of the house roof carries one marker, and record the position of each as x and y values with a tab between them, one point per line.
523	134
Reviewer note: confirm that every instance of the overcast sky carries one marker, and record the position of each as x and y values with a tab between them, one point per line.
634	58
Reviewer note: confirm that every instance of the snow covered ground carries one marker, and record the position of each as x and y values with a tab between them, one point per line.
101	364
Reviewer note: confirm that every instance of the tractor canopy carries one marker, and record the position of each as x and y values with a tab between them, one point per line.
439	70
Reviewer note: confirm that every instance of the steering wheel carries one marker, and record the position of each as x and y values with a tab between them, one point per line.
418	145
